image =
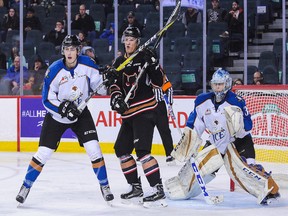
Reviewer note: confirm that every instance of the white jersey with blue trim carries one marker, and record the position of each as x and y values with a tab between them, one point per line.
60	81
208	115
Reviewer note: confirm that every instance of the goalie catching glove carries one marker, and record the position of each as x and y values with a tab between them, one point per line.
235	123
187	146
118	104
69	109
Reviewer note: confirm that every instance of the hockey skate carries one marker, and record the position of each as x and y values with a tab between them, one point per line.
134	195
107	195
170	161
22	195
157	199
270	198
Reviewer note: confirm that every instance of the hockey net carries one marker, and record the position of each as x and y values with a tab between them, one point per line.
268	106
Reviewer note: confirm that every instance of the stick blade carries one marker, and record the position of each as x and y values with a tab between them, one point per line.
214	200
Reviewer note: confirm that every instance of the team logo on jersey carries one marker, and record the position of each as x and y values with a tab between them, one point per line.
129	80
63	80
208	112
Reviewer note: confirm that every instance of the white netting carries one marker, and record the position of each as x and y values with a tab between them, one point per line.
268	106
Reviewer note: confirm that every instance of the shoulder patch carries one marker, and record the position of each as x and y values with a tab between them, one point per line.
47	73
239	98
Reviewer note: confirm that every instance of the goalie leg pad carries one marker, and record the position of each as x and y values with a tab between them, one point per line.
185	185
187	146
255	181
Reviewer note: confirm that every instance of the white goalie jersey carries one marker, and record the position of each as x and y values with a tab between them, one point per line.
209	115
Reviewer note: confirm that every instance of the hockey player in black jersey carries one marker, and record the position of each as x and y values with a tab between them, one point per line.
138	119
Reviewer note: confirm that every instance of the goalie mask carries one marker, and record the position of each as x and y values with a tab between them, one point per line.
131	32
221	76
71	40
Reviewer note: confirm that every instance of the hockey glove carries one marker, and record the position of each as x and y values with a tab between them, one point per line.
150	56
69	109
111	76
118	104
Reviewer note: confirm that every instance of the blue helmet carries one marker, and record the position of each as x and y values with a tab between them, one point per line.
221	76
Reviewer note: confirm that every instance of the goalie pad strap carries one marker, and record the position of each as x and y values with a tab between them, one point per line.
256	182
185	185
187	146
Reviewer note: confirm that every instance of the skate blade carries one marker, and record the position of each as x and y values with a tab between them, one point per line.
110	203
155	204
171	163
132	201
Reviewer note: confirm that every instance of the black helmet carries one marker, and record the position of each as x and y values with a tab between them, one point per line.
70	40
132	32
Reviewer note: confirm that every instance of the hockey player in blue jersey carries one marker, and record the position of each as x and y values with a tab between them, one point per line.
225	117
68	81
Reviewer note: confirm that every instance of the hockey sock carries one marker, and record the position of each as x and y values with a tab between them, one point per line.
129	168
34	169
151	169
99	169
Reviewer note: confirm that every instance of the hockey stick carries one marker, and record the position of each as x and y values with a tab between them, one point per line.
136	82
158	35
171	113
211	200
83	104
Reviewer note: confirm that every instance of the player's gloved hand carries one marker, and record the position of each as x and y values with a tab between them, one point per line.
118	104
110	75
69	109
150	56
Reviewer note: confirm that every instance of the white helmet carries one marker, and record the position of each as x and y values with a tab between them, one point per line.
221	76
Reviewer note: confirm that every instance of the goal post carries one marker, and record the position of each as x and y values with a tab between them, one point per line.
268	106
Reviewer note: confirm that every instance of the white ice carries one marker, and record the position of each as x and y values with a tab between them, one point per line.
68	186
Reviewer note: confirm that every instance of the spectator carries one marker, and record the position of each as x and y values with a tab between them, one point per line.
83	40
258	78
37	71
13	75
31	22
2	60
10	22
15	52
89	51
238	81
57	35
235	20
191	15
130	22
109	34
216	13
83	21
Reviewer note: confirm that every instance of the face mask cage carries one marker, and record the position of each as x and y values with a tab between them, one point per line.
221	76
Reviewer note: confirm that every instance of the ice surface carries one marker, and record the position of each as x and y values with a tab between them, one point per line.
68	186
